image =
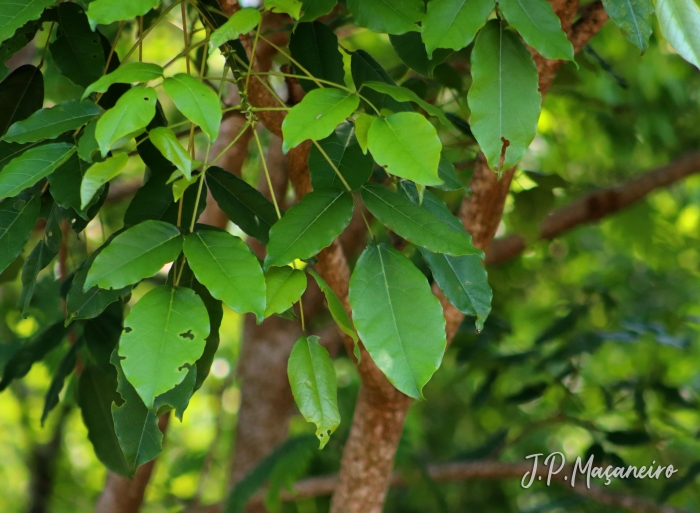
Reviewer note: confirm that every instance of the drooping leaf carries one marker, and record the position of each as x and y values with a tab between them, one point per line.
539	26
679	21
345	153
291	7
244	205
283	287
52	122
365	69
132	112
312	9
634	17
315	47
129	73
228	268
166	141
21	95
386	291
31	166
309	226
136	253
390	16
19	12
99	174
335	306
450	24
314	386
240	22
104	12
196	101
401	94
393	142
317	115
412	52
18	216
65	368
504	96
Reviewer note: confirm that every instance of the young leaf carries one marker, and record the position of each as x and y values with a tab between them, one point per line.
394	143
129	73
317	115
539	26
132	112
52	122
504	96
99	174
283	287
228	268
335	306
314	386
315	47
31	166
240	22
362	124
18	216
312	9
634	17
166	141
386	292
104	12
291	7
21	94
401	94
390	16
164	331
17	13
365	69
679	21
345	153
196	101
412	52
309	226
137	253
244	205
65	368
450	24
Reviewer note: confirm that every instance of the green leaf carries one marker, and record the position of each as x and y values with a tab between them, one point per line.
129	73
101	335
52	122
132	112
164	331
291	7
244	205
362	124
178	398
9	151
416	224
166	141
401	94
314	386
99	174
315	47
18	216
343	150
77	51
240	22
104	12
312	9
317	115
196	101
228	268
539	26
18	12
21	94
22	37
364	69
634	17
679	21
309	226
412	52
390	16
87	144
407	145
31	166
283	287
65	184
137	253
447	173
504	96
65	368
386	292
453	24
335	306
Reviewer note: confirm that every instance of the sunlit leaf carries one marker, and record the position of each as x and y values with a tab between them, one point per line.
196	101
129	73
240	22
132	112
99	174
283	287
390	16
31	166
679	21
52	122
453	24
104	12
166	141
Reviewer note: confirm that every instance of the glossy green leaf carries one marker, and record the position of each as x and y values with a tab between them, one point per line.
312	9
283	287
228	268
679	21
18	216
390	16
362	124
129	73
21	94
386	292
634	17
31	166
166	141
164	331
401	94
52	122
407	145
104	12
132	112
317	115
335	306
18	12
412	52
315	47
344	151
9	151
99	174
137	253
196	101
454	24
65	368
504	96
314	386
539	26
240	22
309	226
291	7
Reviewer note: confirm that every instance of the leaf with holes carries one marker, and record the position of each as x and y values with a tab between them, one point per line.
240	22
18	216
315	47
390	16
31	166
346	154
166	141
283	287
679	21
450	24
99	174
52	122
104	12
132	72
196	101
131	114
18	12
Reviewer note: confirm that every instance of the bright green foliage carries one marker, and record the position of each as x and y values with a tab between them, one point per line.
226	266
504	97
335	306
317	115
393	143
679	21
343	150
17	218
362	124
314	386
315	47
196	101
283	287
390	16
19	12
453	24
386	292
539	26
240	22
133	111
31	166
401	94
166	141
634	17
365	69
128	73
291	7
309	226
104	12
99	174
52	122
137	253
312	9
164	331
